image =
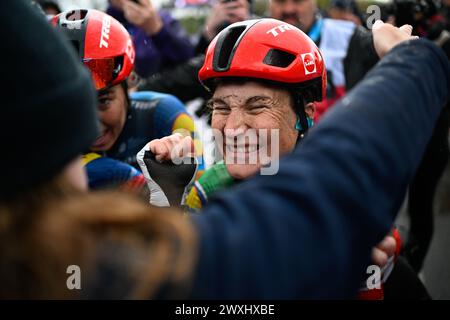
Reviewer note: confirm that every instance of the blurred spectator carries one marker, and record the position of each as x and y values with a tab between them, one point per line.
159	39
422	15
445	11
186	3
345	10
346	47
223	13
347	50
182	80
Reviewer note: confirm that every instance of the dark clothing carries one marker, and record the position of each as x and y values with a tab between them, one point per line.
181	81
45	121
361	57
404	285
422	191
272	237
202	44
424	185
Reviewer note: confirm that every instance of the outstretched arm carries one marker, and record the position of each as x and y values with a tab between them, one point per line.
307	232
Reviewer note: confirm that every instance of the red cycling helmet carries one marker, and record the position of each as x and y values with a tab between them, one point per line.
102	43
266	49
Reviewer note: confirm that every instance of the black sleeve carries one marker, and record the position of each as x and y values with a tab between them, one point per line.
202	45
182	81
361	57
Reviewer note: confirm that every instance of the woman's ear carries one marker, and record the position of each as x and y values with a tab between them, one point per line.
310	109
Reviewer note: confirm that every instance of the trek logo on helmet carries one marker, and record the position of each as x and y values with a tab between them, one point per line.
281	28
130	50
309	63
106	24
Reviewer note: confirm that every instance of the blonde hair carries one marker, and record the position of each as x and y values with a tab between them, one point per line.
45	231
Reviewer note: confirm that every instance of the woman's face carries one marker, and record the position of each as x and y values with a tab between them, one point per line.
244	109
112	112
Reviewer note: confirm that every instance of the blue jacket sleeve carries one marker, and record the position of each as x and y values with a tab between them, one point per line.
167	109
307	232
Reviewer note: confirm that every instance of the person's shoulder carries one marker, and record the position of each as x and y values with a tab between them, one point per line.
150	96
146	95
152	99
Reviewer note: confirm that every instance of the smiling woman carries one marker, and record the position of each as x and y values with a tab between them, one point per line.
112	111
240	108
128	120
259	84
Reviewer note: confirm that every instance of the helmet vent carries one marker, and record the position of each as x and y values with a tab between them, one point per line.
76	15
225	49
278	58
118	65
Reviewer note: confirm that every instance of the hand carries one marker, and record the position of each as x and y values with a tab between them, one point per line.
386	36
117	4
168	183
225	12
383	251
172	148
143	15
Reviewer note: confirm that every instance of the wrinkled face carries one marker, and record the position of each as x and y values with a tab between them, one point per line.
112	111
243	110
300	13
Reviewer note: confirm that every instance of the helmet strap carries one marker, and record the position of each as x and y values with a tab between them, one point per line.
298	125
303	123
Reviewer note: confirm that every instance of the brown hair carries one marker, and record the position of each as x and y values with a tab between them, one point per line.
45	231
